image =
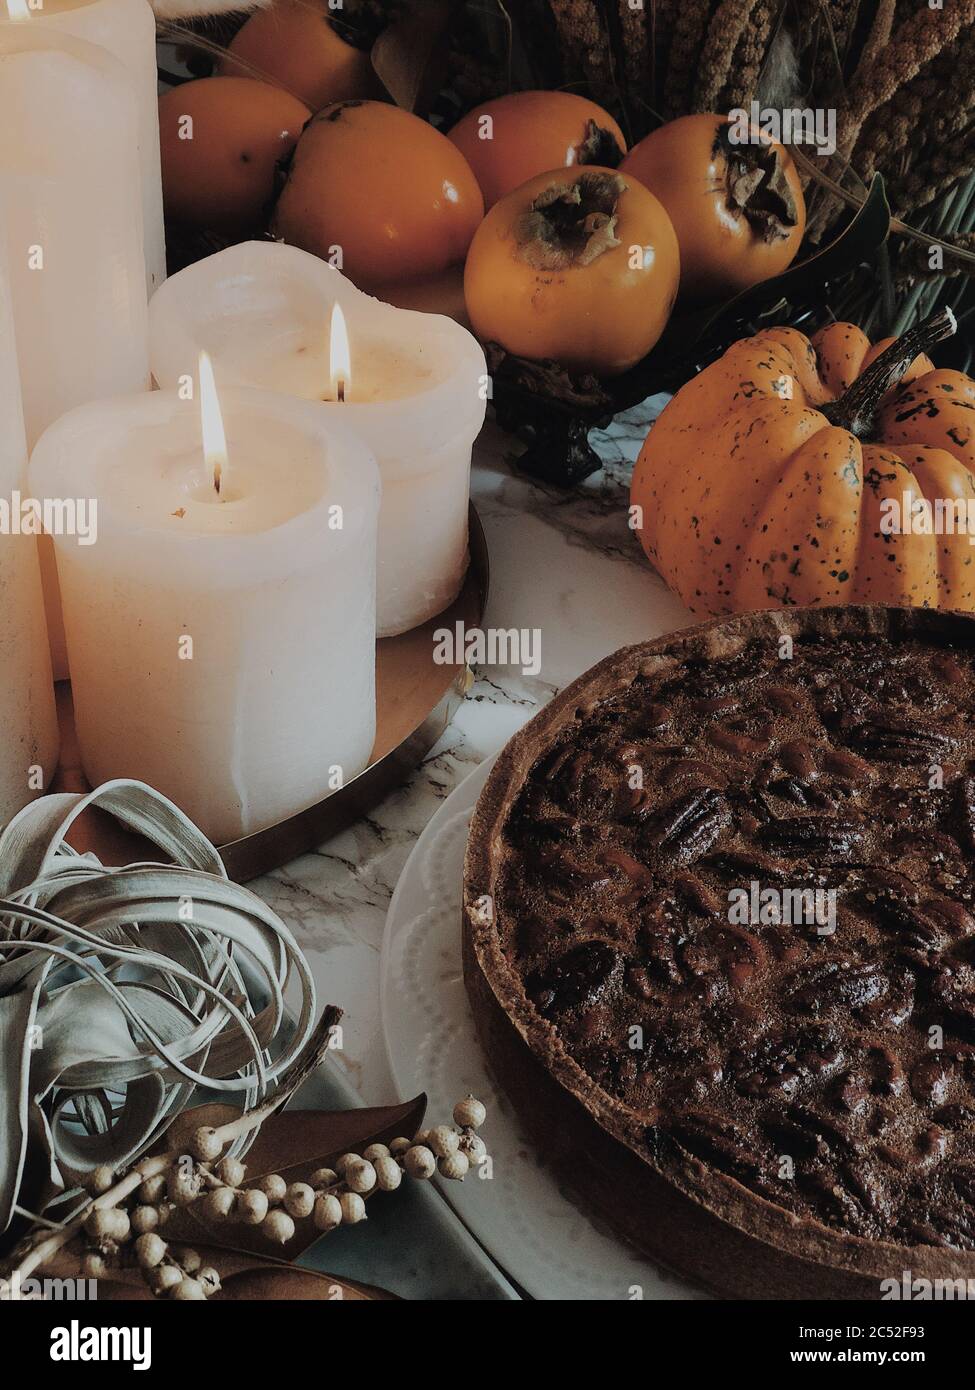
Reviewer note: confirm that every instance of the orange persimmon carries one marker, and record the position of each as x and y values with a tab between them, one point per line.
310	50
737	208
577	265
387	188
221	138
511	139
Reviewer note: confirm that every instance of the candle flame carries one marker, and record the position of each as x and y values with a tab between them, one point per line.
18	9
339	355
211	421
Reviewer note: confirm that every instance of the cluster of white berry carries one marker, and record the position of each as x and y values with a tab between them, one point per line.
116	1237
119	1235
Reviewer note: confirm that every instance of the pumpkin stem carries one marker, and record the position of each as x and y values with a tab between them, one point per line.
856	408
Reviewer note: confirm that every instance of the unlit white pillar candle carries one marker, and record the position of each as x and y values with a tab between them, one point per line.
222	647
72	219
127	28
416	394
69	173
28	723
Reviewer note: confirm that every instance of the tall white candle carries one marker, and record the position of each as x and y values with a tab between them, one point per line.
29	739
415	392
222	643
127	28
72	219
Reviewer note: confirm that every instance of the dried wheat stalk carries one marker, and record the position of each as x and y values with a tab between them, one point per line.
882	86
749	58
835	21
682	63
887	137
843	17
635	32
907	109
916	42
661	21
880	32
917	122
585	46
577	22
942	171
724	33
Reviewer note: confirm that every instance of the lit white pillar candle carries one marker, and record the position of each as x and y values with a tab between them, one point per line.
415	391
221	632
29	737
127	28
72	220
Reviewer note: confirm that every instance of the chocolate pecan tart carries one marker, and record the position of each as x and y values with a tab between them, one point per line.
719	940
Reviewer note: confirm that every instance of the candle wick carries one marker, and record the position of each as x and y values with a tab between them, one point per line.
217	471
340	389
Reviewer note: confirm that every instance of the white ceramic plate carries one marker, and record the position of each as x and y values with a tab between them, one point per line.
521	1215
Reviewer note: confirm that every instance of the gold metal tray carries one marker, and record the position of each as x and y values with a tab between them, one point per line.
416	700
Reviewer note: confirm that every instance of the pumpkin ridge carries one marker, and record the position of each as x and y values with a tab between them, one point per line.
943	478
759	425
813	485
841	349
920	417
901	566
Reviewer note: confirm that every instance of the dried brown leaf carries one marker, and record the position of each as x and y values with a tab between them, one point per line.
409	56
293	1144
253	1278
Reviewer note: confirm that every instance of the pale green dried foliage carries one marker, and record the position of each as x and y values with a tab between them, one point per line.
124	989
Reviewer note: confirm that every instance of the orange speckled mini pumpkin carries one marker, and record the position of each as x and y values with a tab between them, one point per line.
768	479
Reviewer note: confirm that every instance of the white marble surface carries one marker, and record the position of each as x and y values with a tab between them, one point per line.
564	563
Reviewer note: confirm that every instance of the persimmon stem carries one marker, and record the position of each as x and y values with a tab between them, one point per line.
571	222
856	408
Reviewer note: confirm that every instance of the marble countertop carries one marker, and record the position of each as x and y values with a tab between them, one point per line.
563	563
